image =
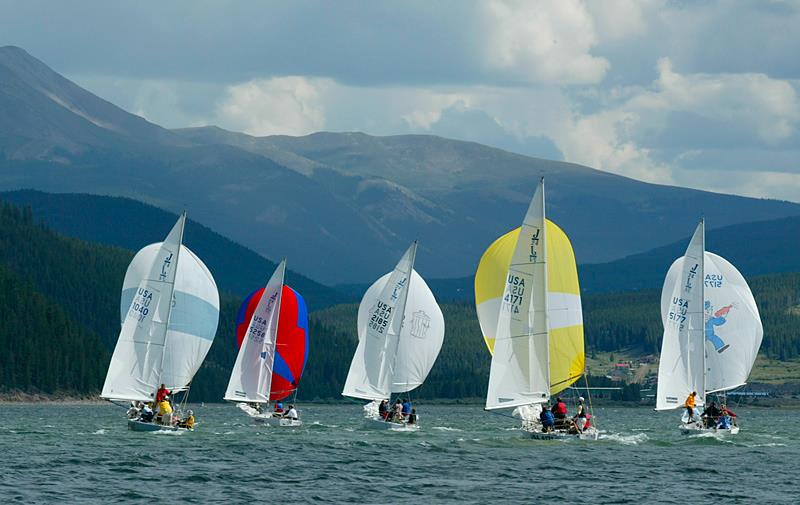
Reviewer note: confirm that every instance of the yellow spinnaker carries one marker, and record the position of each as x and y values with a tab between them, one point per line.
563	301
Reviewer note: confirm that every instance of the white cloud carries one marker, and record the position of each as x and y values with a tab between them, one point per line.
282	105
542	42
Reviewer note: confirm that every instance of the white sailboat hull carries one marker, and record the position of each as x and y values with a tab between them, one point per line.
379	424
589	434
696	429
135	425
280	422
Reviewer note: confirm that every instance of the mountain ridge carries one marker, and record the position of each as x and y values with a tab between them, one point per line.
342	206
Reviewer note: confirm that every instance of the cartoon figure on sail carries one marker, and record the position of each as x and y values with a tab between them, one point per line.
169	310
712	333
529	309
272	335
400	334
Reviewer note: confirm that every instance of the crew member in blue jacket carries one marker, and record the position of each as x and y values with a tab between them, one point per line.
547	419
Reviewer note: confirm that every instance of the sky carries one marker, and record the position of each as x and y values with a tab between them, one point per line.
697	94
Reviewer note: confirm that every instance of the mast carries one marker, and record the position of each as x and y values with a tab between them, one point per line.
702	304
171	299
544	291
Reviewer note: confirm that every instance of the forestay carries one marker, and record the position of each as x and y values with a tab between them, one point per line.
370	375
731	323
162	342
252	373
421	334
680	369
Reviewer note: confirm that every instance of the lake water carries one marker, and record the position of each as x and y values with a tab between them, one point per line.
84	454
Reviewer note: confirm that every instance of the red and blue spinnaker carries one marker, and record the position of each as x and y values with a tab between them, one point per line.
291	348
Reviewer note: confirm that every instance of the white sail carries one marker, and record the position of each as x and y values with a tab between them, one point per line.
370	375
252	373
682	362
520	370
732	325
421	334
135	371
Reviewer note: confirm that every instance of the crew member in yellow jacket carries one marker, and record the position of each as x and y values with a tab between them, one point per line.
165	411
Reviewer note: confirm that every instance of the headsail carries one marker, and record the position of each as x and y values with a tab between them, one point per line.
680	369
291	344
251	377
564	315
421	334
169	310
370	374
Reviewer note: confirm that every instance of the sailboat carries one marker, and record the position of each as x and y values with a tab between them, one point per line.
400	334
712	332
529	308
272	334
169	310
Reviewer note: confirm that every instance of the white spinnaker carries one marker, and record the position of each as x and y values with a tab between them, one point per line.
732	324
680	369
520	370
421	334
136	367
370	372
252	373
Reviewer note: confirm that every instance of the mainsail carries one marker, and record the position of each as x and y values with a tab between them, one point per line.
400	333
251	377
712	328
535	359
169	309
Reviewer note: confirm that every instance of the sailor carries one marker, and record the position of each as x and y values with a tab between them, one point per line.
560	413
291	414
147	414
412	417
188	422
547	419
690	404
397	411
383	409
135	410
161	393
165	411
278	407
580	415
725	411
406	408
711	415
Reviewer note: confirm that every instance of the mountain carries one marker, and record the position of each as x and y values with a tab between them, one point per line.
341	206
759	248
131	225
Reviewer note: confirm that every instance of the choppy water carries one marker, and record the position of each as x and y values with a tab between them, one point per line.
85	454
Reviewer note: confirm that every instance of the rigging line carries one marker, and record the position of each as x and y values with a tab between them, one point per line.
589	395
502	414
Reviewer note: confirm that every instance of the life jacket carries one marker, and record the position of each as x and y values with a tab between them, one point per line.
547	418
588	421
161	393
560	408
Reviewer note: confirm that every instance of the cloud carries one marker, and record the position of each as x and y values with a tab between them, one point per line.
281	105
542	42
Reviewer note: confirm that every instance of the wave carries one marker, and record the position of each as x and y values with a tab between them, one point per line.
636	439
